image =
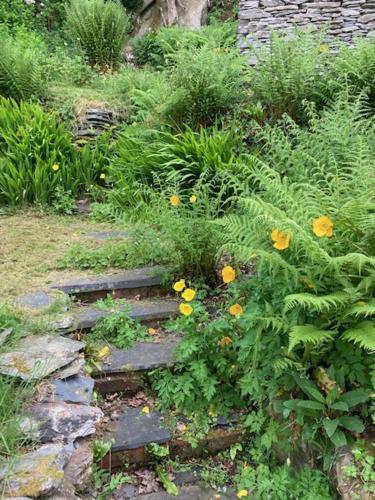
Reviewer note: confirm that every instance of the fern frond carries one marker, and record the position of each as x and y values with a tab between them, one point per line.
318	303
361	310
362	334
308	334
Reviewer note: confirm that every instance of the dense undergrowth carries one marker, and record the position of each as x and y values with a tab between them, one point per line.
256	185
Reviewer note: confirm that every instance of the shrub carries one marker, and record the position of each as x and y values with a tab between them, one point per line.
207	82
16	13
100	29
20	69
288	72
38	156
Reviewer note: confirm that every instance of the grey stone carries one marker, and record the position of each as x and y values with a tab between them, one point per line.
37	473
367	18
192	493
60	421
76	389
73	368
62	322
137	278
79	468
347	486
35	300
37	356
142	310
135	429
141	357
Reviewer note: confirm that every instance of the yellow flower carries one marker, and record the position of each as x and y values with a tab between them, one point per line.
174	200
193	198
102	176
360	303
145	410
179	286
236	310
323	226
245	465
228	274
103	352
212	412
281	239
188	294
55	167
151	331
323	48
225	341
242	494
186	309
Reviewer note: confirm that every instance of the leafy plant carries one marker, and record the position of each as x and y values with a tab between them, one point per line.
100	30
101	448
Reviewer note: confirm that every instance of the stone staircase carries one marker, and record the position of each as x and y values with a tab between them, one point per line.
122	374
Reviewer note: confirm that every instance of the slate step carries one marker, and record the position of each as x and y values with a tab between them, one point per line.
146	311
126	371
134	430
143	282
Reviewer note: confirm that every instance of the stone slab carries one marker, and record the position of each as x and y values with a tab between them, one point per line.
137	278
142	310
58	421
36	300
77	389
192	493
37	356
37	473
142	356
134	430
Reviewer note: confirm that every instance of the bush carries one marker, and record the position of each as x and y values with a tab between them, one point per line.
16	13
20	67
100	30
288	72
207	82
38	156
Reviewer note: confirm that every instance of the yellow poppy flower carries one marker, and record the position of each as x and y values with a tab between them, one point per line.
186	309
193	198
55	167
228	274
242	494
281	239
145	410
323	226
103	352
151	331
174	200
236	310
102	176
323	48
225	341
188	294
179	286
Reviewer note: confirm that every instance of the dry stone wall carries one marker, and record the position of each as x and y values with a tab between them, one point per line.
344	19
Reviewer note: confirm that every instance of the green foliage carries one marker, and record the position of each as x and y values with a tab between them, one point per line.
101	448
118	329
20	69
32	142
362	471
100	30
108	483
15	13
207	81
282	483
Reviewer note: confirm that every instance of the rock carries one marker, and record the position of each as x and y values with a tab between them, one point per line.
75	367
76	389
347	486
60	421
192	493
37	356
37	473
79	468
35	300
62	322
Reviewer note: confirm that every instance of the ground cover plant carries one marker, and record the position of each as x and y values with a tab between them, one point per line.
255	185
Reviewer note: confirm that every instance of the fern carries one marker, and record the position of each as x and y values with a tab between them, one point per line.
308	334
361	310
362	334
317	303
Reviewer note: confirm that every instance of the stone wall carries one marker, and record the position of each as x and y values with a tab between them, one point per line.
344	19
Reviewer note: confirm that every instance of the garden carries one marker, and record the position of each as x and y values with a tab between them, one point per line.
187	259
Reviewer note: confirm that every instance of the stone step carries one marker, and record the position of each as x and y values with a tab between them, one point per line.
143	282
127	371
149	312
135	429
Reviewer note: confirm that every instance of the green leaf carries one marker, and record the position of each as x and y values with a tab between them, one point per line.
339	405
338	438
330	426
362	334
354	398
167	483
311	405
309	388
354	424
308	334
